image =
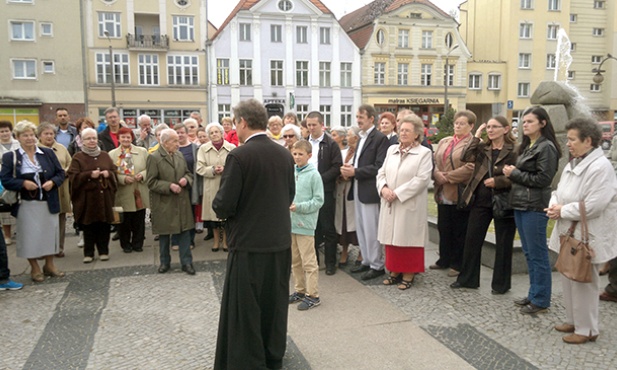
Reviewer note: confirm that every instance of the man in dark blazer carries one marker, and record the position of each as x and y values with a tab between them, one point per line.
328	161
257	189
109	136
369	157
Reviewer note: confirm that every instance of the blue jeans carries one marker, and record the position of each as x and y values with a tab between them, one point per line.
184	242
4	262
531	227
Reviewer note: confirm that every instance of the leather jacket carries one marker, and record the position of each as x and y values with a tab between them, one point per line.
531	180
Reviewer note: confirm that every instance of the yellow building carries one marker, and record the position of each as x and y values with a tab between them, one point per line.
514	43
406	46
158	56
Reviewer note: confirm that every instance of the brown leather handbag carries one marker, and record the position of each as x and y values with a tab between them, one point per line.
574	260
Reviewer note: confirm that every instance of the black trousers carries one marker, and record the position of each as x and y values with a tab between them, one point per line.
132	230
505	228
325	232
253	323
96	234
452	226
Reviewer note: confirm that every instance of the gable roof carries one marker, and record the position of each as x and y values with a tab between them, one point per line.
248	4
359	24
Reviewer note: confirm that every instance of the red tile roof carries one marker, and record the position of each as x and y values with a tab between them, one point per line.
248	4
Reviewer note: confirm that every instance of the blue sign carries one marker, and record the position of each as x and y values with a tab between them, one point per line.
510	104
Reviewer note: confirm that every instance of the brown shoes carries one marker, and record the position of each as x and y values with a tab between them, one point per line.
565	328
453	273
579	339
604	296
53	273
37	277
436	267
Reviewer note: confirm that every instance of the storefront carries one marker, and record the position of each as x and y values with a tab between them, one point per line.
429	109
15	115
169	116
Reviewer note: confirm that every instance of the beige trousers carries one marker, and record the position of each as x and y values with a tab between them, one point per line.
304	264
581	301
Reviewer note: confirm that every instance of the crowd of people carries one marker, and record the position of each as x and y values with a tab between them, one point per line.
315	187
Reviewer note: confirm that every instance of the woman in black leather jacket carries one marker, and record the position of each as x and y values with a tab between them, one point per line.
531	179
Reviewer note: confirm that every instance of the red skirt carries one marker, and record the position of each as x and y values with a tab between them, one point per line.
404	259
198	213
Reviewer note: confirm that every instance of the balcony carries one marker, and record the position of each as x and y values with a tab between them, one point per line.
147	42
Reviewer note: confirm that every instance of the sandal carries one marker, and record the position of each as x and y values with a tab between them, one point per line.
37	277
405	284
393	280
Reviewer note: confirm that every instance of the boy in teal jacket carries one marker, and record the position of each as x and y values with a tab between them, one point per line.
304	212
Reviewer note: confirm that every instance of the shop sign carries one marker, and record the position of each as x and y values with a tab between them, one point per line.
414	101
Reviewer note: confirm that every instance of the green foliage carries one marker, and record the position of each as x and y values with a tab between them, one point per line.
445	126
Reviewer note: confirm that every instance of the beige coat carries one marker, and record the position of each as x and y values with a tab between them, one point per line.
65	161
207	158
404	222
342	191
125	196
459	174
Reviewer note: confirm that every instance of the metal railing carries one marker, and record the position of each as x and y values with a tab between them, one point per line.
147	41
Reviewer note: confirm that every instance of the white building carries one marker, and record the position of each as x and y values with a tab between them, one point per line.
291	54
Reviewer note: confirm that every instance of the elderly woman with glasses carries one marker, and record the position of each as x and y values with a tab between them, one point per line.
291	134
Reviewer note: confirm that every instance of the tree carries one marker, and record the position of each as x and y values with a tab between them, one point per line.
445	126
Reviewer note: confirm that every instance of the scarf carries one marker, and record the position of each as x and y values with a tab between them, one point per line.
91	152
218	145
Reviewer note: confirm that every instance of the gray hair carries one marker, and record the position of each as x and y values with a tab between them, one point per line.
191	120
44	127
418	125
111	110
88	130
23	126
340	130
355	129
294	128
218	126
143	117
160	127
166	134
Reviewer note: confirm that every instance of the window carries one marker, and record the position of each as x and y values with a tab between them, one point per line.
523	90
598	32
551	61
551	32
403	38
183	70
22	30
554	5
276	72
109	22
594	87
183	28
24	69
475	81
324	35
427	39
525	30
494	82
22	1
346	115
245	32
148	69
425	76
573	18
47	29
380	73
526	4
301	111
573	46
246	72
571	75
276	33
103	68
599	4
301	34
403	73
222	71
524	60
381	37
596	59
224	111
324	74
285	5
449	74
49	67
302	72
346	75
326	111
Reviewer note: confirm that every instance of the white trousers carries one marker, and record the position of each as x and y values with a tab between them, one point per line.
367	221
581	301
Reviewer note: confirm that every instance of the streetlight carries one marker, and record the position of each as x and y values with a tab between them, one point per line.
598	78
113	74
449	40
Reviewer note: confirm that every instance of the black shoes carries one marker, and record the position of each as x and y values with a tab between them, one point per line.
360	268
330	270
116	236
163	269
522	302
209	236
456	285
127	250
372	273
188	269
138	249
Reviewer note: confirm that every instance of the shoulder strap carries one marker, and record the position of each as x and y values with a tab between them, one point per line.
14	162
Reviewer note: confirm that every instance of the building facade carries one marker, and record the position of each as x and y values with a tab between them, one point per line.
410	49
517	50
41	60
159	58
290	54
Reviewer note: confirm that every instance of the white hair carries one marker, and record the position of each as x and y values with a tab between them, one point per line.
295	128
191	120
217	125
88	130
160	127
143	117
166	134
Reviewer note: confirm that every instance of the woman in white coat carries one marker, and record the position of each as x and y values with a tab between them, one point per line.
589	177
402	183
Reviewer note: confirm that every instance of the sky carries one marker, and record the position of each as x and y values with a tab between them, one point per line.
219	10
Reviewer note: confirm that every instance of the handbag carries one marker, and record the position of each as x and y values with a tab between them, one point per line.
460	201
10	197
501	203
574	260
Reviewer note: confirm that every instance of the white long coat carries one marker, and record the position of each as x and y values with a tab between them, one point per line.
403	223
207	158
592	180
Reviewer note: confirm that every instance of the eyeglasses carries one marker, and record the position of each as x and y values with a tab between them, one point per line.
288	136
